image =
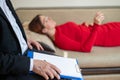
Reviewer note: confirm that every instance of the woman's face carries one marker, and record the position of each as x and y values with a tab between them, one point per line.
48	22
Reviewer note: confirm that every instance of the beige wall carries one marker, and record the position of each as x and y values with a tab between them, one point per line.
64	3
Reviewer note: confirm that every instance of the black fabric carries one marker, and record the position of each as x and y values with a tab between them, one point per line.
30	77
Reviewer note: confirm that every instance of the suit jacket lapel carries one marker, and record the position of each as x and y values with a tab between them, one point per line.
11	8
3	15
16	17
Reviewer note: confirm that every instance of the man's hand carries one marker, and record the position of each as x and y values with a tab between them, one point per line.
99	17
46	69
32	43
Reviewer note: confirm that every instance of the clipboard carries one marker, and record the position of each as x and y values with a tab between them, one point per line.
69	66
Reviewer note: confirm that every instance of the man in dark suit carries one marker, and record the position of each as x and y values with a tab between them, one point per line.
14	65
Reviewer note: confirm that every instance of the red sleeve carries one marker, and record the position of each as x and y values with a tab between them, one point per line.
66	43
88	44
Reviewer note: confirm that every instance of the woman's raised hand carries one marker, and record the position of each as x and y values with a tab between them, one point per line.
99	17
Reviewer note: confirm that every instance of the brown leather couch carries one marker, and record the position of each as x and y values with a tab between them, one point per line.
103	63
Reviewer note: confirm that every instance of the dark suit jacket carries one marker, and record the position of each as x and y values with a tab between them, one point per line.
13	65
11	61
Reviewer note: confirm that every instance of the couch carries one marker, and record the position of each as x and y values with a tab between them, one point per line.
102	63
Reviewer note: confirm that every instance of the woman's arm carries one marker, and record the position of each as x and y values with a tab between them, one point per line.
89	43
68	44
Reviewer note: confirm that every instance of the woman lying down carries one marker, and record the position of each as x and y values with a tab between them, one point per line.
78	37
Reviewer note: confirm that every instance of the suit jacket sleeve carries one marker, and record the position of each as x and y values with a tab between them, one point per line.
13	64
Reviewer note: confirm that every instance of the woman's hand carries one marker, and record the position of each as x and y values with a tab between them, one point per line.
99	17
32	43
46	69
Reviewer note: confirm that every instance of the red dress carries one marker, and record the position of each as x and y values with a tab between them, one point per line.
75	37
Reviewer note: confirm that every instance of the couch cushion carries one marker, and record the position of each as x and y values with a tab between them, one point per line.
102	77
99	57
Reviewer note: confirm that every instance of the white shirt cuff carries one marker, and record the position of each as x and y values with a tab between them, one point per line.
31	64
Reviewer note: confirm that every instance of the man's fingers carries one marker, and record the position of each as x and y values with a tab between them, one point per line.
41	48
50	73
45	76
56	69
30	46
56	74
